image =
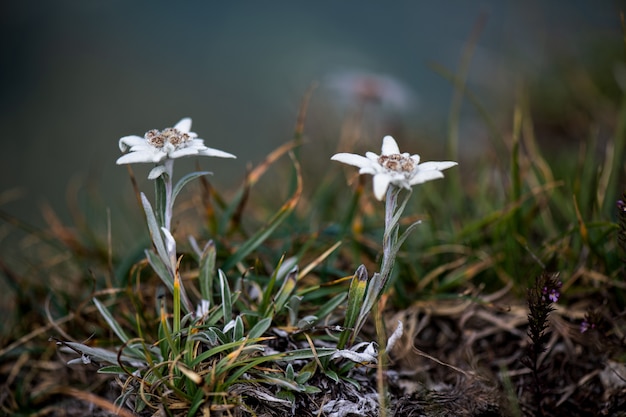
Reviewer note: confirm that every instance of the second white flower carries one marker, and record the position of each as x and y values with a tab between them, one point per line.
392	167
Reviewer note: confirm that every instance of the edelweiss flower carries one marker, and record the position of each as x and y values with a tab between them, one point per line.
171	143
392	167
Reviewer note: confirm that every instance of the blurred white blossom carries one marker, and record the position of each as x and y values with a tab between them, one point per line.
363	86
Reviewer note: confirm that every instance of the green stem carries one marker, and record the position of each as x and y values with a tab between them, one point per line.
168	176
390	236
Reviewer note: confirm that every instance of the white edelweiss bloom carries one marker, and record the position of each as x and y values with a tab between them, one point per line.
170	143
392	167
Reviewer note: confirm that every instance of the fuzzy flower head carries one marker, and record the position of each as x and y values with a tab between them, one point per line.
157	146
392	167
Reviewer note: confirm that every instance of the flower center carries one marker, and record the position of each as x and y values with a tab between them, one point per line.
174	137
398	163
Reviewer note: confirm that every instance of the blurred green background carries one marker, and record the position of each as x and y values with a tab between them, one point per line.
77	75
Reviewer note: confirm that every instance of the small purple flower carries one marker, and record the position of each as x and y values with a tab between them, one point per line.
585	325
621	205
551	294
554	295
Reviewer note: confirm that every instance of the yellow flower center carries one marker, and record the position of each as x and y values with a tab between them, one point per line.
398	163
159	139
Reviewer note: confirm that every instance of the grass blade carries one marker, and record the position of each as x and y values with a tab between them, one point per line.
260	236
206	273
356	295
227	307
113	324
155	230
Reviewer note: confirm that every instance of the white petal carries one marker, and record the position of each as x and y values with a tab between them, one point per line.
390	147
371	170
143	147
196	143
130	141
423	176
381	182
396	177
184	125
135	157
416	159
216	153
436	165
352	159
371	156
156	172
179	153
401	182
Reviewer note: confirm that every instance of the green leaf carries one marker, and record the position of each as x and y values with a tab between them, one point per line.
310	389
286	395
161	270
300	354
406	234
206	336
307	371
155	231
115	369
398	212
101	355
221	336
260	236
332	375
303	377
207	271
371	295
184	181
264	307
294	308
160	196
227	307
356	295
285	291
283	383
113	324
238	329
196	402
257	239
204	356
289	373
260	328
330	306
